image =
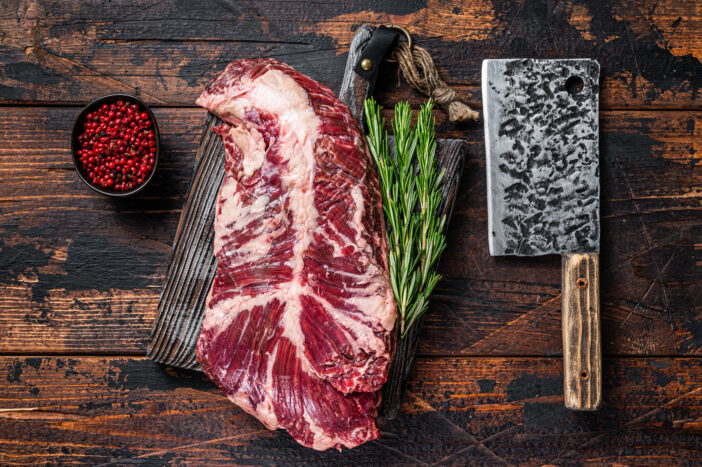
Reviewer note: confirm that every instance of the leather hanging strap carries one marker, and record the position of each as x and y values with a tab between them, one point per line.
416	67
378	47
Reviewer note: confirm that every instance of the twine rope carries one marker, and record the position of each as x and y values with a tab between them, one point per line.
417	68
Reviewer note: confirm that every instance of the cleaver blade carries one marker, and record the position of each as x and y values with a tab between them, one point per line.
542	149
543	182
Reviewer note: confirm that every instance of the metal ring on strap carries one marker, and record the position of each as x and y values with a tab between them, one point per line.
404	31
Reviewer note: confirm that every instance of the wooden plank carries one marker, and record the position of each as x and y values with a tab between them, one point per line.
166	51
493	411
80	273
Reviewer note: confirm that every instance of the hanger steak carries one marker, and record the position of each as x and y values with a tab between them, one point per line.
298	327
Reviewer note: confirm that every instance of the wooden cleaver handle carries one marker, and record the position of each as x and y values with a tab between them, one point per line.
582	353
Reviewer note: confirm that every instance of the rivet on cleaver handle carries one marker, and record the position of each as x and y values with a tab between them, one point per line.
542	148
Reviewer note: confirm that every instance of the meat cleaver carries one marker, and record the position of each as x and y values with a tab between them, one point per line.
543	183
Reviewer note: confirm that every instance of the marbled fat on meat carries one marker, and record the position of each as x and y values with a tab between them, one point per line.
298	329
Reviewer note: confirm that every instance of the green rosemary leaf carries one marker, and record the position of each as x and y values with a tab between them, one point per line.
411	186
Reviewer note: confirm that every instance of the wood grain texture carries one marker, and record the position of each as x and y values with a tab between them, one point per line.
354	89
457	411
582	349
81	273
166	51
192	265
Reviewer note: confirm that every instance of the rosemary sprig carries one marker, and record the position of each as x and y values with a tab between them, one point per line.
411	189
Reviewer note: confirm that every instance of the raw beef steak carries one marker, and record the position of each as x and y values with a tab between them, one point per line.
298	329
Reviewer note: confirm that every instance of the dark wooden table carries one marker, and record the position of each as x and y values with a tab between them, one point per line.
80	274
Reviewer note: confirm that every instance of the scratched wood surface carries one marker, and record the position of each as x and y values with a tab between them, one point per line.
80	274
167	50
457	410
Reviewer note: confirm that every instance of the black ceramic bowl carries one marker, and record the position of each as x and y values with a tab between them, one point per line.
78	129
